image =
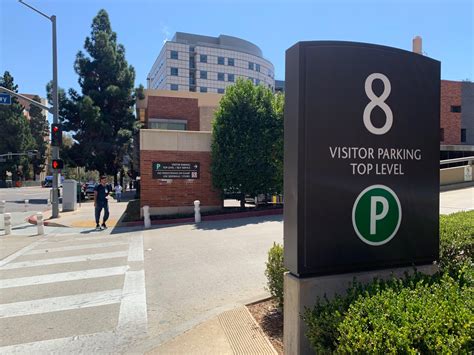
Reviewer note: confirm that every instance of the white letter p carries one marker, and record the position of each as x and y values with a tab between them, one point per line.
374	217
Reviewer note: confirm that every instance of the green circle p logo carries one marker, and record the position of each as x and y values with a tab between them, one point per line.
376	215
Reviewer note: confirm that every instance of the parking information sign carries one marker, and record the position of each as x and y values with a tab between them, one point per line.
175	170
361	158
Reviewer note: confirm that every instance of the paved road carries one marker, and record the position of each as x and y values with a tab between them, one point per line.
126	290
15	198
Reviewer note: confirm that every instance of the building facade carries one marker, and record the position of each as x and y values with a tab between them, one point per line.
196	63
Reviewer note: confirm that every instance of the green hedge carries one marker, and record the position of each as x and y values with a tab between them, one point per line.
274	272
418	313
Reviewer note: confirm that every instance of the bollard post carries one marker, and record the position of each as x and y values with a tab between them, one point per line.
197	211
49	202
2	206
146	216
7	217
39	223
27	202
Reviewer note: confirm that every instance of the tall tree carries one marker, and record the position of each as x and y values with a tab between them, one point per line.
40	131
245	132
279	109
101	118
15	134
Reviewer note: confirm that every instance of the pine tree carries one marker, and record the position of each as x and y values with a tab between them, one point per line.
15	134
102	116
40	131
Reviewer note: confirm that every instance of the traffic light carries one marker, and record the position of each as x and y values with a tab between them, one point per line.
56	135
57	164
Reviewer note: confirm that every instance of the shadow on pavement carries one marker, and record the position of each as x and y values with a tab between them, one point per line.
238	222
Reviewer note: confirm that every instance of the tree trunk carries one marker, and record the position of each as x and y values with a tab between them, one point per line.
115	179
242	201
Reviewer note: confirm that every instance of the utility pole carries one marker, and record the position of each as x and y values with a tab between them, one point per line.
55	109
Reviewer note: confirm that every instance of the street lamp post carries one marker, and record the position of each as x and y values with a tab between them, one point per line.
54	150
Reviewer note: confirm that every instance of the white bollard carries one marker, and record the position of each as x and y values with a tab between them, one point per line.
27	202
49	202
146	216
197	211
7	217
2	207
39	223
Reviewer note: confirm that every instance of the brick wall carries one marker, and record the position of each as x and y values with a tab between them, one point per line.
450	121
174	108
177	192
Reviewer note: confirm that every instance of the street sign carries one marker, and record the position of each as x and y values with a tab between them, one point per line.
175	170
5	99
361	158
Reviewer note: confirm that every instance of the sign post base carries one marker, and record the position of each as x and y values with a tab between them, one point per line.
301	293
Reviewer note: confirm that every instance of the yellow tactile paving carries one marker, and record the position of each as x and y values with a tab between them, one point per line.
91	223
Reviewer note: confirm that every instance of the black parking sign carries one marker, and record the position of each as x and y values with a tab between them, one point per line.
361	158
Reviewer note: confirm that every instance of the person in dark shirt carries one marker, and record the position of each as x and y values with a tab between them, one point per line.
101	192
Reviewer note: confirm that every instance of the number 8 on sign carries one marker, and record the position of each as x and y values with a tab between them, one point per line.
377	101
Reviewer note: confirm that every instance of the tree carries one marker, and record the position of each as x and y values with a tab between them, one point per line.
101	117
279	109
245	135
40	132
15	134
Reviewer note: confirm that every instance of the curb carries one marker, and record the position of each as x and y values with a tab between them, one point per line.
218	217
33	220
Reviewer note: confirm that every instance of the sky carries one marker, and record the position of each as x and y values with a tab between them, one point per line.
142	26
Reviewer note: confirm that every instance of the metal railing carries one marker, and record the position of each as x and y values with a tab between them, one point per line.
469	161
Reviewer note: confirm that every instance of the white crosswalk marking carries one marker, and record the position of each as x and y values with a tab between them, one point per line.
25	285
63	303
75	247
63	276
69	259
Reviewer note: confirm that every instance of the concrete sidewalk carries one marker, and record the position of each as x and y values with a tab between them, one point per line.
84	216
232	332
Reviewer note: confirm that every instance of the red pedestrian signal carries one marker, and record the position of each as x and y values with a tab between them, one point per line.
56	135
57	164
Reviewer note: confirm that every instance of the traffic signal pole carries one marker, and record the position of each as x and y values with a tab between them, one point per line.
55	108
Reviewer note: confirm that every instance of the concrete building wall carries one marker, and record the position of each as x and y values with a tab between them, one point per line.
450	121
467	111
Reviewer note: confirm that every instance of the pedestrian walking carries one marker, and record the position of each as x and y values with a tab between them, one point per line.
101	191
118	192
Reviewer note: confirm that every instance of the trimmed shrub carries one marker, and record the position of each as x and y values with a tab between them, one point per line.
456	233
436	318
274	272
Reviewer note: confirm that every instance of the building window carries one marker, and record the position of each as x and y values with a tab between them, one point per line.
192	88
203	58
230	77
220	91
203	74
203	89
257	81
220	76
178	125
230	62
174	71
191	49
221	60
257	67
174	54
463	135
441	134
250	65
456	109
174	87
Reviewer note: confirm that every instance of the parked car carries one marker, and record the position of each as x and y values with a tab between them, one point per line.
89	190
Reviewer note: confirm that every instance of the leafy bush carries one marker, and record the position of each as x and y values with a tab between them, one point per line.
456	241
436	318
418	313
274	272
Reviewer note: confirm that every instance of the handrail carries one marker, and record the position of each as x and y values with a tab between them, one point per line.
470	160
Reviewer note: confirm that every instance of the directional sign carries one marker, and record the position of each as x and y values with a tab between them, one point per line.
175	170
5	99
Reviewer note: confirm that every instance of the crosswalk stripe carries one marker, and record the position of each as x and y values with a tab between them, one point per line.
79	238
135	250
133	310
20	252
64	303
69	259
76	247
63	276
